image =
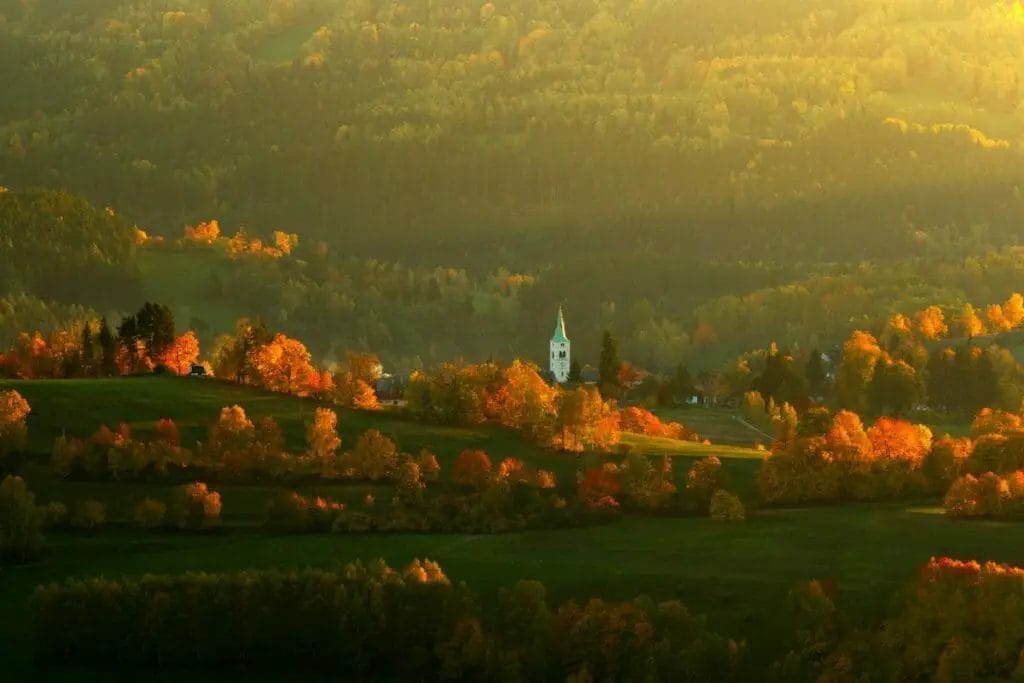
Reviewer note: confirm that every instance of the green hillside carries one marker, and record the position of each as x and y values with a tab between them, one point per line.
79	407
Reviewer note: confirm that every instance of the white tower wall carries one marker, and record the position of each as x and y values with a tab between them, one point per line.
560	357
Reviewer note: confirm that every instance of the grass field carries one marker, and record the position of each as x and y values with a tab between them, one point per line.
738	575
720	425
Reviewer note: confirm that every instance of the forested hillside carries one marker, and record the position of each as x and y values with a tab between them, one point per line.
701	177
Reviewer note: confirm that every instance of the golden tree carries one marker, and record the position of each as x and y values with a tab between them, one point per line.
14	411
283	365
181	354
322	438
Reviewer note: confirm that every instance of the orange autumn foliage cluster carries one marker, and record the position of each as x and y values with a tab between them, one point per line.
294	511
38	356
599	486
14	411
638	482
60	354
116	454
273	361
955	621
208	233
836	458
987	495
281	244
473	468
933	323
636	420
517	397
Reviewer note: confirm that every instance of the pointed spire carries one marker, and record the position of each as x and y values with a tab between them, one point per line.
559	335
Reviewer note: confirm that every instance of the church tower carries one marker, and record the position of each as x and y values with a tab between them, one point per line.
559	362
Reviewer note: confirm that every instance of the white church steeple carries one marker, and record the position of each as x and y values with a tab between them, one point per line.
560	358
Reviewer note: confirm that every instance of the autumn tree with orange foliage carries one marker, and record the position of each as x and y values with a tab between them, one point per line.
957	620
355	381
835	458
899	440
991	421
598	487
284	365
374	457
181	354
525	401
207	233
322	438
430	468
14	411
637	420
232	436
969	323
861	355
947	460
194	506
472	468
166	431
585	421
931	323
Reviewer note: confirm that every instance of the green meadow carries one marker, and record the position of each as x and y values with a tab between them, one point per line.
738	575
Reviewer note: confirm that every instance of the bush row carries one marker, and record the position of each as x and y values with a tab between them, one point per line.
370	619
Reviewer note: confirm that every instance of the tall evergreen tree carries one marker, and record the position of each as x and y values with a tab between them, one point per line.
108	349
609	366
575	372
87	357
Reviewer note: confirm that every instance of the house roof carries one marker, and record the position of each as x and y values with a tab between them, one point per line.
559	336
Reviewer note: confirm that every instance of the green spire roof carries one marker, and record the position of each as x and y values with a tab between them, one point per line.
559	336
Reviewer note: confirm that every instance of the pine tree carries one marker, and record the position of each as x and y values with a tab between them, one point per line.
87	349
108	349
610	366
575	372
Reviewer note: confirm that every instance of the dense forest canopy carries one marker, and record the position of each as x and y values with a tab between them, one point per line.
701	177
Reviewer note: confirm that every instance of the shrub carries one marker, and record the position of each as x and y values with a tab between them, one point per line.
195	506
726	507
374	457
430	468
294	512
598	486
150	513
704	478
54	515
647	484
639	641
89	515
20	535
472	468
946	461
409	484
167	432
988	495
